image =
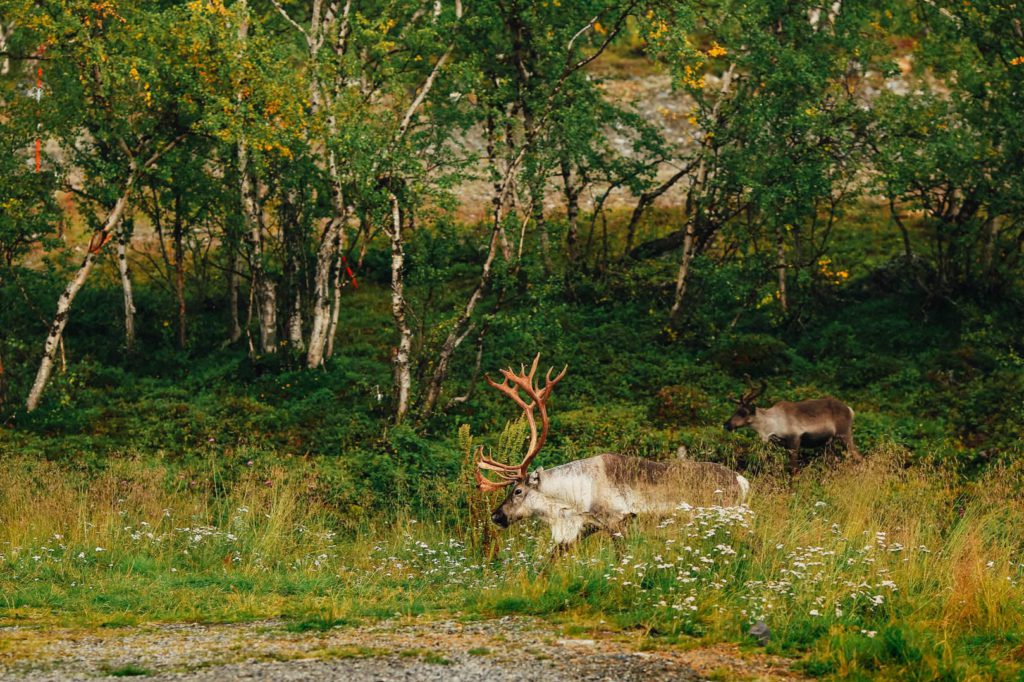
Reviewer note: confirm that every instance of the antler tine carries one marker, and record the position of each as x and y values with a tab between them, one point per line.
533	367
747	393
763	386
549	383
488	486
507	474
509	386
540	398
753	392
497	467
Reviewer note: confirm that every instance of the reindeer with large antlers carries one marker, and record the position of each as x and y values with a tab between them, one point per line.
808	423
600	493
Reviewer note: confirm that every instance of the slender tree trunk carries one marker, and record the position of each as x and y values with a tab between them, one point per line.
325	308
126	285
693	208
295	323
683	276
293	269
780	252
492	159
339	281
401	353
572	209
5	61
321	315
537	209
233	285
179	273
263	287
60	320
908	252
248	320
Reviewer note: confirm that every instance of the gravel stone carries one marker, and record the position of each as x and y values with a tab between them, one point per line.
509	649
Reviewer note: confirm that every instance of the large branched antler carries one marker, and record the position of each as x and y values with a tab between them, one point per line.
752	393
510	385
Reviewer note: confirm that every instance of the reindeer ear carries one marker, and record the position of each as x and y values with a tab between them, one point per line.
533	479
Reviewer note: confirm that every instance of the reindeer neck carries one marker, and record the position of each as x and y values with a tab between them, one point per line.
764	419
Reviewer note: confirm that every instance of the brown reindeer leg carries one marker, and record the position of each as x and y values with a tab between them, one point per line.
793	445
851	449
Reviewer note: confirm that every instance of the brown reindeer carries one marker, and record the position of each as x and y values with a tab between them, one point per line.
600	493
793	425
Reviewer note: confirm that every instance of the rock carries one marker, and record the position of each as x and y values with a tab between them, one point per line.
761	632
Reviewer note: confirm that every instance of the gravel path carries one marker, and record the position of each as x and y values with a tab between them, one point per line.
504	650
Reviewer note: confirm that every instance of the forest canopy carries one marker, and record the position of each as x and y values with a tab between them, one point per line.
256	179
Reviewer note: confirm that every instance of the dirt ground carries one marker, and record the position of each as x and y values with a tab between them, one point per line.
506	649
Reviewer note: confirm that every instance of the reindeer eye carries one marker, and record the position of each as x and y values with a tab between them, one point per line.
518	492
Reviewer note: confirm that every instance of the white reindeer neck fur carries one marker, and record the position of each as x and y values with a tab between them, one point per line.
767	421
562	496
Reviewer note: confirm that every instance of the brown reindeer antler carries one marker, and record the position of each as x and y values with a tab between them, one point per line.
752	393
511	385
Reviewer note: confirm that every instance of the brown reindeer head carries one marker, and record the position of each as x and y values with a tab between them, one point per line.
518	475
745	408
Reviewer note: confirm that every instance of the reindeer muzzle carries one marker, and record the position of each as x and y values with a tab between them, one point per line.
500	519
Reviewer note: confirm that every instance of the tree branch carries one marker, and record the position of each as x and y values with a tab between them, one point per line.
287	17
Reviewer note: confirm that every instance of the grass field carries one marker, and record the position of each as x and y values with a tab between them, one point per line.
860	570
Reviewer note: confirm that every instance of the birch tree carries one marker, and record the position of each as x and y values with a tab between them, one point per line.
121	112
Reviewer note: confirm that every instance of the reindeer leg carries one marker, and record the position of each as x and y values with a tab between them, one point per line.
558	552
793	445
851	449
617	532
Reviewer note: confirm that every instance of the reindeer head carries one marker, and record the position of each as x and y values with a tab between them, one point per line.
745	408
518	504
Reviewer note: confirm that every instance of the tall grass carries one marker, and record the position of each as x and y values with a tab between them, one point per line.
875	569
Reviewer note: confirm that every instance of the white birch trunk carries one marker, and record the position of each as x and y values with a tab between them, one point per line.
265	291
126	287
683	276
295	324
5	34
325	307
339	280
324	316
320	322
60	320
402	352
293	246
